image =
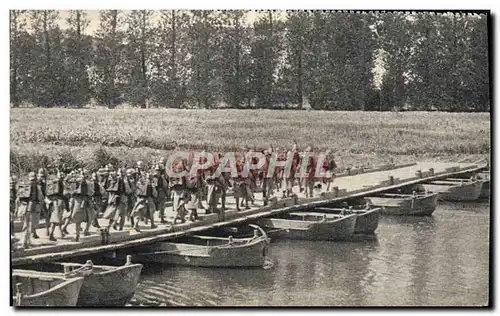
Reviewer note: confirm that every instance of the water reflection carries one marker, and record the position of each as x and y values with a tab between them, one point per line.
438	260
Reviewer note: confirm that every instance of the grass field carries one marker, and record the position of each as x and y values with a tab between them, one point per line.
91	136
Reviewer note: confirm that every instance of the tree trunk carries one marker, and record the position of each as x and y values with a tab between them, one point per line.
48	66
173	65
300	80
15	56
143	61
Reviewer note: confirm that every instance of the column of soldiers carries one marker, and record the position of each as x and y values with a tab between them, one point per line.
135	194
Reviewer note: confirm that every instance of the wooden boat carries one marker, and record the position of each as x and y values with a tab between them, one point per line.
310	226
366	219
453	190
484	177
209	251
34	288
416	204
103	285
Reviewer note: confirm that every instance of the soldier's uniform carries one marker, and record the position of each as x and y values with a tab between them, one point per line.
80	204
267	182
240	186
55	203
177	184
29	200
44	213
116	210
103	178
130	186
309	179
160	184
145	193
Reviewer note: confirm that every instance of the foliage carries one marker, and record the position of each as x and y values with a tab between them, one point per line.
207	59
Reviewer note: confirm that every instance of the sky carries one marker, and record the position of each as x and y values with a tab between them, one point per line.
93	16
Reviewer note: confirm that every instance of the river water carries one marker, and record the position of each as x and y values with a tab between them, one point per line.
415	261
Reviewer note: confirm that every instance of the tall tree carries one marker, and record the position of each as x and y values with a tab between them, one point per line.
266	48
396	39
298	26
78	51
17	27
106	73
204	44
170	59
232	62
137	61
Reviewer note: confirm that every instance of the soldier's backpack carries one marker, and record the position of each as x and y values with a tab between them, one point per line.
113	185
53	187
23	190
70	186
141	188
90	188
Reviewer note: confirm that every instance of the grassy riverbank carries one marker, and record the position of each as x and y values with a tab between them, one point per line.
92	136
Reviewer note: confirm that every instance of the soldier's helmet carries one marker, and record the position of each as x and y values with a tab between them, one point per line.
308	149
94	176
140	164
41	173
32	176
130	172
162	161
294	148
110	167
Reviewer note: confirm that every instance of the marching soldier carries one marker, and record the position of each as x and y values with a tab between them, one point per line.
42	180
240	187
161	185
267	182
145	192
97	202
330	167
29	200
177	183
54	200
80	208
311	170
130	182
214	189
163	172
103	178
117	202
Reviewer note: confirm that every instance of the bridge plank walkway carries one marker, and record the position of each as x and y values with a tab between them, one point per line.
348	186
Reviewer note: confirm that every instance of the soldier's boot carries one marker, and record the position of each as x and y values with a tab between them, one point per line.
238	204
132	222
153	226
95	223
77	229
51	233
136	224
162	216
246	204
122	222
86	230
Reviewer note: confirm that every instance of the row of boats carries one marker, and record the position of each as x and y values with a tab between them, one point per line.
72	284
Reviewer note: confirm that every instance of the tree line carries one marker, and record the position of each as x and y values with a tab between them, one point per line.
210	59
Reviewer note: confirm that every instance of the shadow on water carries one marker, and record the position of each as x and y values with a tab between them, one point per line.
441	259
